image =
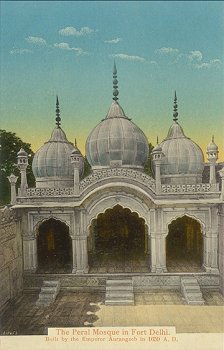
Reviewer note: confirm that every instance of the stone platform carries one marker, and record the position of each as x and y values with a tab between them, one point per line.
141	281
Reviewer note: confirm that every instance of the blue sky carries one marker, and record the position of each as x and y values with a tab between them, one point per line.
68	48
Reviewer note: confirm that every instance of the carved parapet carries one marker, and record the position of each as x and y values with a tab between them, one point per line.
185	188
50	192
103	174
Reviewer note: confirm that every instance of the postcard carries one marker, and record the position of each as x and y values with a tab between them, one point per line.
112	175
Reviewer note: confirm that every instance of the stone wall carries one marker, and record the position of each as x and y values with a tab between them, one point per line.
11	266
221	247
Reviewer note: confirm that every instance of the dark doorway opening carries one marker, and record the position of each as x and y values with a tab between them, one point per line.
118	242
184	246
54	247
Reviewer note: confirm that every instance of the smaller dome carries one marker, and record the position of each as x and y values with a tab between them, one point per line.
182	155
183	159
157	148
52	165
53	158
22	153
212	147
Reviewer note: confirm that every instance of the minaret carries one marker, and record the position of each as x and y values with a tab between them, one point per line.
13	179
212	154
157	156
115	84
22	163
175	112
76	160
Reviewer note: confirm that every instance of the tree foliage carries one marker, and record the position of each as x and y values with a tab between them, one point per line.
87	168
10	145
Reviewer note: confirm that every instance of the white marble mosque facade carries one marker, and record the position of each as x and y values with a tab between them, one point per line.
172	194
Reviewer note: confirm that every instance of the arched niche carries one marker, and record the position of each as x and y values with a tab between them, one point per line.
184	245
54	247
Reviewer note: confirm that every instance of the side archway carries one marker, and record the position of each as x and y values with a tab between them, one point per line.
184	245
54	247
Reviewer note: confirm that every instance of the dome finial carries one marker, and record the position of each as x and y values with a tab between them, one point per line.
115	83
213	139
75	143
175	113
157	140
58	119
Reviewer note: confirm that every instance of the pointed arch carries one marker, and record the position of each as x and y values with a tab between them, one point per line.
54	246
118	241
184	245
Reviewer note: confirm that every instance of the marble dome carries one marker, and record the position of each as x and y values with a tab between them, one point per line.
116	140
52	162
181	156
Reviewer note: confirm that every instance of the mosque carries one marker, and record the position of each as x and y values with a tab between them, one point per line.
119	224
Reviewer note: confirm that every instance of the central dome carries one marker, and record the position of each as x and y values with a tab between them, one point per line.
116	140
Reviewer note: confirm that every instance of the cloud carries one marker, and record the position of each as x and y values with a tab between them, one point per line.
35	40
66	46
215	63
20	51
72	31
128	57
113	41
195	55
167	50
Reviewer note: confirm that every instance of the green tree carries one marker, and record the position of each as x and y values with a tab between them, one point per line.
87	168
148	164
10	145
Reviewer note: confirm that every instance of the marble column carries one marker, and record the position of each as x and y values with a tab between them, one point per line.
210	254
30	254
153	253
161	253
80	255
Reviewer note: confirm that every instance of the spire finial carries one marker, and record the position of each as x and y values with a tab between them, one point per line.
115	83
75	143
157	140
213	138
58	119
175	113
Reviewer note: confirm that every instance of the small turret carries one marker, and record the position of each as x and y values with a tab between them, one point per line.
77	161
22	163
157	156
212	155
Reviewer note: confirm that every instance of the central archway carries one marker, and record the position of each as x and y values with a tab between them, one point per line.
118	242
54	247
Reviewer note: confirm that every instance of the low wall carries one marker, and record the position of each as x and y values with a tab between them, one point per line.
11	266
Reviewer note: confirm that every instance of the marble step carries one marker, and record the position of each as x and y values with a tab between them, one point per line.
191	291
48	293
119	288
50	283
119	282
119	292
119	302
119	295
